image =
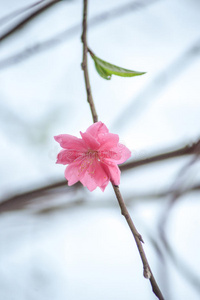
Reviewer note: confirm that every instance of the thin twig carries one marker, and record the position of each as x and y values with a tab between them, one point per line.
22	200
19	12
138	238
178	187
84	65
116	12
27	19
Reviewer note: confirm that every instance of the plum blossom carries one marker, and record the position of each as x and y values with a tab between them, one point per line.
92	159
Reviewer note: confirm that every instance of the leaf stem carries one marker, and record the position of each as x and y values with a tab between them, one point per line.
91	52
138	238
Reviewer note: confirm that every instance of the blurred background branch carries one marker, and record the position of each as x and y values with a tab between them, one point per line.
40	216
63	36
20	201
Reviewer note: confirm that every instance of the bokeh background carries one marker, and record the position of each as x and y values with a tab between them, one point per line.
59	242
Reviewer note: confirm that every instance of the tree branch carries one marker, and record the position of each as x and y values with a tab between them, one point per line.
19	11
27	19
138	238
84	65
15	201
55	40
189	149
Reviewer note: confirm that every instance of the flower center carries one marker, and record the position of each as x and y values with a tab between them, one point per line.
93	154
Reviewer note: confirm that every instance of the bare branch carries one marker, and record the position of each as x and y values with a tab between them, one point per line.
84	65
62	36
29	195
18	12
27	19
181	151
138	238
178	187
138	104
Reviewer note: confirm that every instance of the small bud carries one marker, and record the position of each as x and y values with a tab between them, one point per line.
147	273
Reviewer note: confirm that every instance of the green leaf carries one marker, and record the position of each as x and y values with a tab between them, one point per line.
106	70
102	72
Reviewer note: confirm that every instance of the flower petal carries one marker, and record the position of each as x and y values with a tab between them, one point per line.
124	152
111	155
97	128
89	182
75	171
104	185
113	172
68	141
90	141
67	156
95	175
108	141
117	155
93	159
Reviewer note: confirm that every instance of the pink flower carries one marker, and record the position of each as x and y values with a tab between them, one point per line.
92	159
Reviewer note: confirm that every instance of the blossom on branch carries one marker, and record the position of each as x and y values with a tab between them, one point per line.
93	159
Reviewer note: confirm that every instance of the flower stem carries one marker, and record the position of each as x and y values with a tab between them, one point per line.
138	238
84	64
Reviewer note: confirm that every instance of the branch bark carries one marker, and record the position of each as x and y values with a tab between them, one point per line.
84	65
138	238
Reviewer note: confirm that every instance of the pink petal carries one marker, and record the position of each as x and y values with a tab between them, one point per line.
124	152
108	141
95	176
75	171
67	156
111	155
90	141
116	155
113	171
103	186
68	141
89	182
97	128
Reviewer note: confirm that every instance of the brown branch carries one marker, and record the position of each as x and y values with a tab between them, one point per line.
139	103
178	187
27	19
138	238
60	37
22	200
41	191
84	65
189	149
18	12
